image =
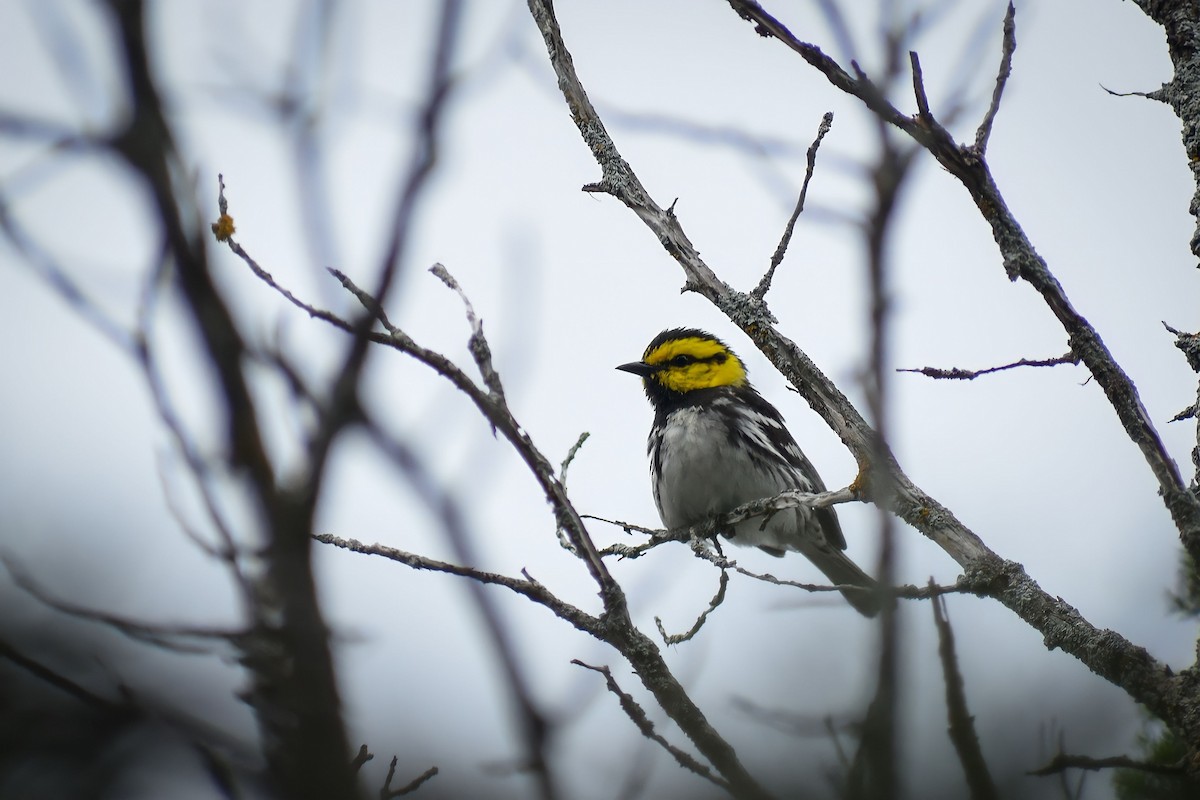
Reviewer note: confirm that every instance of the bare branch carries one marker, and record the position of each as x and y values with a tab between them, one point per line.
478	345
527	588
708	528
1158	95
619	180
962	724
1187	413
1180	24
793	723
637	648
533	725
643	723
178	638
267	278
562	472
57	137
955	373
1065	761
1021	260
984	132
718	598
189	451
924	115
224	552
1189	344
57	278
700	536
366	299
619	630
764	285
61	682
387	792
361	757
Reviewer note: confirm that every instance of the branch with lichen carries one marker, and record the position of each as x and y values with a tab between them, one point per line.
986	573
617	628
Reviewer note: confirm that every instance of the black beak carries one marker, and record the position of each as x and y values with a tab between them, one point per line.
638	368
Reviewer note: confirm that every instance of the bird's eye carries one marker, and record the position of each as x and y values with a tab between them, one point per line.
681	360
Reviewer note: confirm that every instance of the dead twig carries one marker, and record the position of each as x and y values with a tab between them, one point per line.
643	723
718	598
962	724
957	374
1065	761
387	792
759	292
1009	46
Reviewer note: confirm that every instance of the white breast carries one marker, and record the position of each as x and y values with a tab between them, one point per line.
704	472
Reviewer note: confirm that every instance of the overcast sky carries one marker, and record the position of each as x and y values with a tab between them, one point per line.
571	284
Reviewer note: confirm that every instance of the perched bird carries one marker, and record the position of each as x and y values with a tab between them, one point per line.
716	444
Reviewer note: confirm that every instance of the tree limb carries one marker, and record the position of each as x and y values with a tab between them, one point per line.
962	724
1104	652
1065	761
1021	260
957	374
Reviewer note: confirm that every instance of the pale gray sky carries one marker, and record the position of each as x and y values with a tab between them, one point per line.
571	284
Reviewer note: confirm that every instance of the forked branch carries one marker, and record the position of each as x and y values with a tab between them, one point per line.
1106	653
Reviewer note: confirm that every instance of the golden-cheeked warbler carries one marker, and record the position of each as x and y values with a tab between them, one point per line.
716	444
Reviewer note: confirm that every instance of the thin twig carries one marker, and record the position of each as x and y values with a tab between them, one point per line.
59	279
222	553
478	345
638	716
791	723
1006	55
534	727
1021	261
564	539
726	521
1189	345
1158	95
718	598
527	588
924	115
764	285
623	638
61	682
698	537
387	792
1113	657
169	637
365	299
361	757
1187	413
1065	761
562	472
962	724
836	739
185	445
957	374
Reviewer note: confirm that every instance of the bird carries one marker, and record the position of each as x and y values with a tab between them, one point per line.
716	443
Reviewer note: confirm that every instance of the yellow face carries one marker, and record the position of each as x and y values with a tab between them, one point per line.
693	362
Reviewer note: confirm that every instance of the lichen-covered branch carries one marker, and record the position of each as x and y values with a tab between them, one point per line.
959	374
1021	259
1106	653
615	626
1181	24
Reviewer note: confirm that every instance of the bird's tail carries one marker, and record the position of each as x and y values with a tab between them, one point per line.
838	567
